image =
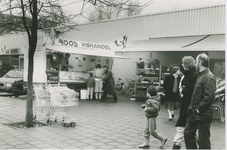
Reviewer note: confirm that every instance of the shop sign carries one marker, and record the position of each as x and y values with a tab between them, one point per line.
79	44
13	51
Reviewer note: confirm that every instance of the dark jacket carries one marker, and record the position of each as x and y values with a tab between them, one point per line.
152	105
203	97
108	83
90	82
188	82
168	87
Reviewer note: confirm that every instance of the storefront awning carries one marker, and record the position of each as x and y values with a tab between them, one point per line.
190	43
84	51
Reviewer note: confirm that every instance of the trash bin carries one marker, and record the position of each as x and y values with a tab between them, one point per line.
83	94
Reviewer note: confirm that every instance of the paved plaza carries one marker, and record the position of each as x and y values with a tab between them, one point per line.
104	125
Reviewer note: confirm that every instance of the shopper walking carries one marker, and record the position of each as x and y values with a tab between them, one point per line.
151	109
90	86
186	88
171	84
200	109
108	84
98	82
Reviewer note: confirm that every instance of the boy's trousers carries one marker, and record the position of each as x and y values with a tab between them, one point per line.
150	129
90	92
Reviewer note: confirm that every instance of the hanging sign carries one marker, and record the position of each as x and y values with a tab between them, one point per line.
79	44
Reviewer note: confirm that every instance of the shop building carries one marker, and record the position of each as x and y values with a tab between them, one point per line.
166	36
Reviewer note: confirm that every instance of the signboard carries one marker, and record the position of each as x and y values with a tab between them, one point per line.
79	44
12	51
52	76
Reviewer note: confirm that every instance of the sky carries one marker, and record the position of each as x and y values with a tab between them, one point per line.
159	6
171	5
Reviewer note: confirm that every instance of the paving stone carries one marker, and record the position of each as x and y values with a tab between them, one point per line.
6	146
26	146
105	126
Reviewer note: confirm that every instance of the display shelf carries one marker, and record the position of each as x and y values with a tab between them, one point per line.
144	78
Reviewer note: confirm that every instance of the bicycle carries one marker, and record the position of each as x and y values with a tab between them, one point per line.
131	88
119	86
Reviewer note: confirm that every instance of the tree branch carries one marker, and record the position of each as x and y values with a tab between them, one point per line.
24	20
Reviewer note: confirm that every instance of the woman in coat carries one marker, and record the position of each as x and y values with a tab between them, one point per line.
108	84
186	90
171	84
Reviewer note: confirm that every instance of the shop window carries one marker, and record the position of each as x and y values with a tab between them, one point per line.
15	60
15	56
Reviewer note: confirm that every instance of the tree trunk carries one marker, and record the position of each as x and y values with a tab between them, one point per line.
32	46
29	105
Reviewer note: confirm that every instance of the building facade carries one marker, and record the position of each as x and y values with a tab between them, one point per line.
164	36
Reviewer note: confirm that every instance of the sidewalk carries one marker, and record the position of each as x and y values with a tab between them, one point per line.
105	125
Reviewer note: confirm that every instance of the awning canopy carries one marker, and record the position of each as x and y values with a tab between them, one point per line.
84	51
189	43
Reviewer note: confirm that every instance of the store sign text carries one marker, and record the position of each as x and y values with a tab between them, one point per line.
12	51
72	43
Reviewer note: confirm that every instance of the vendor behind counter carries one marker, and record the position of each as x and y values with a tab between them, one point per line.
65	63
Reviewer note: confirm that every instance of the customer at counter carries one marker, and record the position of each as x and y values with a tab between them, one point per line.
98	81
108	85
65	63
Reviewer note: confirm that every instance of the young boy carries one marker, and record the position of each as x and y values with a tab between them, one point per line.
151	109
90	86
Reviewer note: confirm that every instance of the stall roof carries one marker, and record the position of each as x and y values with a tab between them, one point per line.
187	43
83	51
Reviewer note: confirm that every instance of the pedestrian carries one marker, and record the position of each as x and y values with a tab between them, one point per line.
108	84
171	84
98	82
200	112
186	88
90	86
151	109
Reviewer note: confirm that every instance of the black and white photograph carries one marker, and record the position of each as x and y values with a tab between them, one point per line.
112	74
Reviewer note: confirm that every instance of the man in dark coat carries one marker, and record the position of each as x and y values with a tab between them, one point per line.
186	88
108	84
171	84
200	111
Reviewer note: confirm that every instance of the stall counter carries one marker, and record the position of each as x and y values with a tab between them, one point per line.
73	79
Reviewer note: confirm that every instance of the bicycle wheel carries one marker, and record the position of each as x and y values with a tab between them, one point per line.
119	90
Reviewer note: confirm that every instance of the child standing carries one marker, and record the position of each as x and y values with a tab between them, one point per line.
90	86
151	109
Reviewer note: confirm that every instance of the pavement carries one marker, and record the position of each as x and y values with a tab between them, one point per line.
103	125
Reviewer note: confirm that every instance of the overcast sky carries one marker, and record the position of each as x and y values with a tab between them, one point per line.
169	5
160	6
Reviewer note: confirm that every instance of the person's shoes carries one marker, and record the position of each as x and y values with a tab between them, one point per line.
163	142
170	119
176	146
144	145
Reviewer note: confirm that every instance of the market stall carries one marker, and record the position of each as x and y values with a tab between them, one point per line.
83	58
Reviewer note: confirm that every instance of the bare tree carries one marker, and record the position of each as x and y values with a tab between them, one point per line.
125	8
32	15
